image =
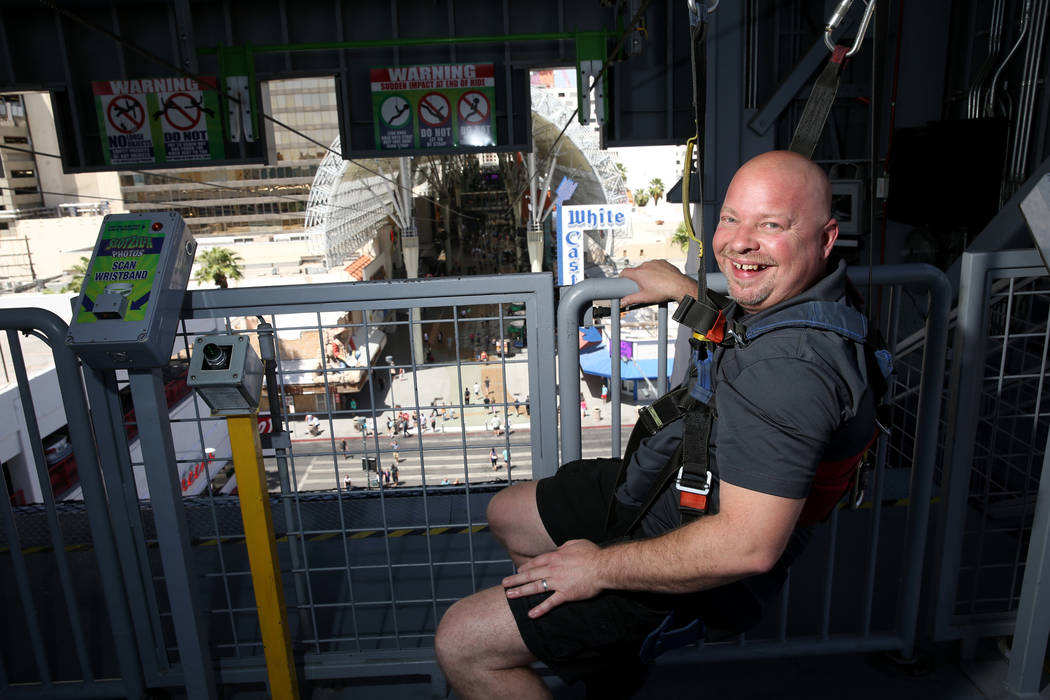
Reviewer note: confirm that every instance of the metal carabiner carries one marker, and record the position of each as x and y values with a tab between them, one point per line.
694	10
836	18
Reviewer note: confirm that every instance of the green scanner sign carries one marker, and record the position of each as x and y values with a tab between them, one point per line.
124	265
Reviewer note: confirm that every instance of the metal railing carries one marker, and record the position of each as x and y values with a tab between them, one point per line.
68	653
997	432
370	569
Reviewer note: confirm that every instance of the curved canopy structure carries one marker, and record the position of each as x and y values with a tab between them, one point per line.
579	155
347	201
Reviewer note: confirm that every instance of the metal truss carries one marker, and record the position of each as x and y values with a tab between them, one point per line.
341	215
558	111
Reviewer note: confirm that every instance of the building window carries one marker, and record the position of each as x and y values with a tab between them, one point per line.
23	173
25	190
16	139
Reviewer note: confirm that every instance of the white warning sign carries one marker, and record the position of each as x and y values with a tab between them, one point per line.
183	124
127	128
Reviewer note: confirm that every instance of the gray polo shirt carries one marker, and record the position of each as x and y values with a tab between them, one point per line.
786	401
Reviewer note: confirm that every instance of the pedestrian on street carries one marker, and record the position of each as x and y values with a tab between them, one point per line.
506	458
346	482
466	396
477	389
493	458
394	477
343	449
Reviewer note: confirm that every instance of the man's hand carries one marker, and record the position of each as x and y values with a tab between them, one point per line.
572	572
657	280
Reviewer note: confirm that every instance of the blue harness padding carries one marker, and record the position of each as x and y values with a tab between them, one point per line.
701	389
822	315
664	638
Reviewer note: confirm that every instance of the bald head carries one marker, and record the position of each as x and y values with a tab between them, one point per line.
796	172
775	230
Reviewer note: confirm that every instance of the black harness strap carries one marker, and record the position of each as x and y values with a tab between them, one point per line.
815	113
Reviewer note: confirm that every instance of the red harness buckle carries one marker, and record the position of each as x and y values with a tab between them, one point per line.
689	497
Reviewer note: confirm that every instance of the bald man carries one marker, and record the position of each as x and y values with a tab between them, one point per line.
587	596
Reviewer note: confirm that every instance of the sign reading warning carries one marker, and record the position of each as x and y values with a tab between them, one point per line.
434	106
164	120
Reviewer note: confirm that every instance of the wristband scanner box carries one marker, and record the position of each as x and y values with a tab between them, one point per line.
128	310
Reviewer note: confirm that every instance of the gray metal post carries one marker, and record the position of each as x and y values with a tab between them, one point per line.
570	309
614	379
125	515
80	436
543	411
927	422
151	413
1033	616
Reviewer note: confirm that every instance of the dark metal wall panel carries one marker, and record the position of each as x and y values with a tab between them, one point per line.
651	92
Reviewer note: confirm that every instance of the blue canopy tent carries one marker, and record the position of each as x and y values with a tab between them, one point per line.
635	370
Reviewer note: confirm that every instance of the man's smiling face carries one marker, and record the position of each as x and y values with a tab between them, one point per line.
774	233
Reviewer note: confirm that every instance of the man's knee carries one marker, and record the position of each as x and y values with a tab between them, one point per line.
450	637
506	507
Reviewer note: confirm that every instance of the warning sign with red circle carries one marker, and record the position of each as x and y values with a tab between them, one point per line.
127	133
126	114
434	109
183	122
155	120
474	108
182	111
475	119
434	106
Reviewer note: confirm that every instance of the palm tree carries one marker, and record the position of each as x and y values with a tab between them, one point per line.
79	271
622	169
218	265
656	189
641	198
681	236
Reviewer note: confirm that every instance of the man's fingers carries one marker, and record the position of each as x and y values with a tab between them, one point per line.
630	299
553	600
521	585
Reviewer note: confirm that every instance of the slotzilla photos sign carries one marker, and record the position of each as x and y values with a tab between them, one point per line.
434	106
124	264
163	120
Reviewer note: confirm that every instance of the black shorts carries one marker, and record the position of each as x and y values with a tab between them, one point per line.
598	636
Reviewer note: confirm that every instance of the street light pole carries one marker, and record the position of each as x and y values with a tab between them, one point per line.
390	361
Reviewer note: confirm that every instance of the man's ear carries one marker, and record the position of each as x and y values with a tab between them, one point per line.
829	235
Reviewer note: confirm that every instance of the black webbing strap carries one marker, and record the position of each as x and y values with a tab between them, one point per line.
693	462
697	481
815	114
666	409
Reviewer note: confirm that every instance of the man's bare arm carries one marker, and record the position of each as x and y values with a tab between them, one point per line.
657	280
746	537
